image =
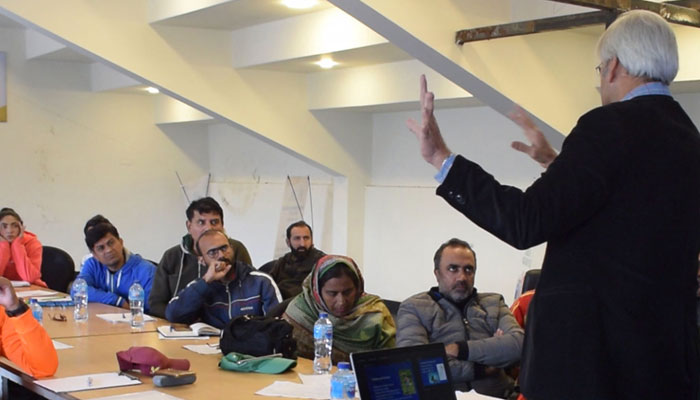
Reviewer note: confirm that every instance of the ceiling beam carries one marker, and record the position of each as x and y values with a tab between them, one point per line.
694	4
672	12
534	26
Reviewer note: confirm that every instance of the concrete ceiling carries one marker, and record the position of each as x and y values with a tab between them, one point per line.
237	14
265	35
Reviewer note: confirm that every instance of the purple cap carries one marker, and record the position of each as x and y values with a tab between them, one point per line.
148	360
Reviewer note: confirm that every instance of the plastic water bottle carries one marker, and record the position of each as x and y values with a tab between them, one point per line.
343	382
323	344
37	311
136	299
80	300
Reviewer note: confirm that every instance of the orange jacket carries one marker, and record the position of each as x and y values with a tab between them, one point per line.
27	344
519	308
21	259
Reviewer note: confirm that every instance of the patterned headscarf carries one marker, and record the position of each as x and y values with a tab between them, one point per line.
367	326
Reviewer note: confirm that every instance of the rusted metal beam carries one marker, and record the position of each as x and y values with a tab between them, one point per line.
694	4
534	26
671	12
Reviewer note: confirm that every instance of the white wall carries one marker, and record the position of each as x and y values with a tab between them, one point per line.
249	180
406	222
69	154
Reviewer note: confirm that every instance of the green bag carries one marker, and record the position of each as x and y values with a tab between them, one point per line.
270	364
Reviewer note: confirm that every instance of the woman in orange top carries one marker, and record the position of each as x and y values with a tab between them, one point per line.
20	251
22	340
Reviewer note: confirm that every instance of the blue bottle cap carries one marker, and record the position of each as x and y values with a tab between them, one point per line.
344	365
32	301
323	315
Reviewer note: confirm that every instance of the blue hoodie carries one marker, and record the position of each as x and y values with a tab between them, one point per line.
105	286
250	293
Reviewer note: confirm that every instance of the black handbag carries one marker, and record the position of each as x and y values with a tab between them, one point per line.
259	336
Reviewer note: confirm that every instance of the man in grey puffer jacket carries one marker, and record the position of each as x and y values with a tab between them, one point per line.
477	326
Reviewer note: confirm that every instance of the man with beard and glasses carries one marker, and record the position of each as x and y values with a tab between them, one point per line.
227	289
480	325
290	270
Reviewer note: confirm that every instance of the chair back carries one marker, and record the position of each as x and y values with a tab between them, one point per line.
393	307
530	280
57	268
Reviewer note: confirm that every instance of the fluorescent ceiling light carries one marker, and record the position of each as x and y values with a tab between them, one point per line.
299	4
152	90
326	63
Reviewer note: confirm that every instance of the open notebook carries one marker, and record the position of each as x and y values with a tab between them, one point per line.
196	329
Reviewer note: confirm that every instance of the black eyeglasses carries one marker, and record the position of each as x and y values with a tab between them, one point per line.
214	252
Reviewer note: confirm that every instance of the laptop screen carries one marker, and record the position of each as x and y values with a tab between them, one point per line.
406	373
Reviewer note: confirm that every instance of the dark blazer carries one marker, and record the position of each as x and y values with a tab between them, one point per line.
614	312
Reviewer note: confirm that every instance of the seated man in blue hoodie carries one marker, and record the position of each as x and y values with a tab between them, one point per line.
228	289
112	269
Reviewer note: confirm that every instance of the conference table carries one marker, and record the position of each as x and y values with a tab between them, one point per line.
95	343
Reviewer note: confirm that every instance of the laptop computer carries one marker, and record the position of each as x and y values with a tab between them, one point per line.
404	373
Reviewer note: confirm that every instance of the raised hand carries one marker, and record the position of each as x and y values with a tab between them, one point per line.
539	149
8	297
216	271
432	146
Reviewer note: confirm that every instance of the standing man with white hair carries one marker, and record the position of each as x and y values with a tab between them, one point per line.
614	312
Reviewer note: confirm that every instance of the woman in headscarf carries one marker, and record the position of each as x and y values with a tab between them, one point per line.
20	250
361	321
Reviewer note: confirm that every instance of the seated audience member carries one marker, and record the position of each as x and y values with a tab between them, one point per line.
113	269
481	334
97	219
20	250
179	264
229	288
290	270
361	321
520	306
23	340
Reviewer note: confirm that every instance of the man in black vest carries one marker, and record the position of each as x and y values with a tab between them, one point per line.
290	270
614	315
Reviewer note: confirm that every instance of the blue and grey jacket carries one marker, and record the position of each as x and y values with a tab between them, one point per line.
216	303
107	287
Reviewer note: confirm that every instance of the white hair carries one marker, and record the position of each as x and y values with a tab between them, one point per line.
644	43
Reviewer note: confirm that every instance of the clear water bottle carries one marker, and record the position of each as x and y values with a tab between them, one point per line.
80	300
136	298
323	344
37	311
343	382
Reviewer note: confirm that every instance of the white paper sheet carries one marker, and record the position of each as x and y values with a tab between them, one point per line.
149	395
312	387
123	317
472	395
20	284
324	379
297	390
161	337
203	348
88	382
60	346
35	293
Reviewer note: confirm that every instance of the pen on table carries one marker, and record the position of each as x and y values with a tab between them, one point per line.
121	373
